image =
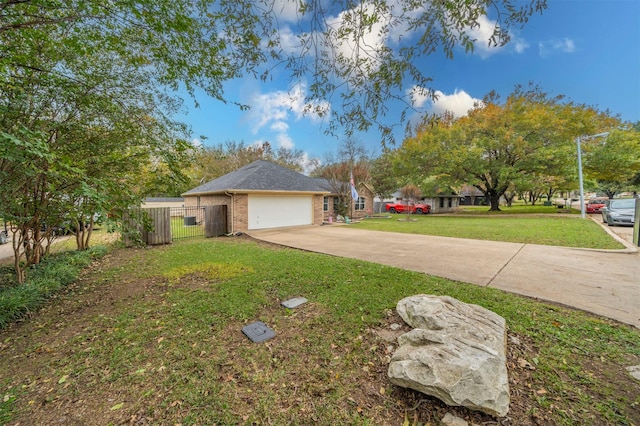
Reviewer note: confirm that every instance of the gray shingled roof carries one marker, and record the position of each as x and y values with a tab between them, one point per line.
260	175
324	184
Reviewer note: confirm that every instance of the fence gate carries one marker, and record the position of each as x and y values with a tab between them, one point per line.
187	222
215	221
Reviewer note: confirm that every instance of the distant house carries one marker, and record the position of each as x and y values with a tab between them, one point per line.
473	197
151	202
444	203
265	195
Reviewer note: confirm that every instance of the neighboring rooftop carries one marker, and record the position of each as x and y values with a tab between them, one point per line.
163	200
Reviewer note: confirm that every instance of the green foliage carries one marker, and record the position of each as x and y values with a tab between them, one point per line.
7	401
47	278
383	176
526	141
85	89
612	161
200	45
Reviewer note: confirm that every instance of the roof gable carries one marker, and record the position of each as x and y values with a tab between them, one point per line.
260	175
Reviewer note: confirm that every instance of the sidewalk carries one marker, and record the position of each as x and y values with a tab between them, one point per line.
6	250
606	283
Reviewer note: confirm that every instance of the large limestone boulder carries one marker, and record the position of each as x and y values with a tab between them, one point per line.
456	352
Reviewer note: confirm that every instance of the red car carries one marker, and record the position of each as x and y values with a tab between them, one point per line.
401	208
595	205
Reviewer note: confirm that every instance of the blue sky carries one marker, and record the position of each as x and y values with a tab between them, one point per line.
587	50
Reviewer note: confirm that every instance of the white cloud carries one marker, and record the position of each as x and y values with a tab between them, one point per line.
400	28
279	126
458	103
364	47
284	141
482	34
343	43
519	45
285	10
196	143
275	108
564	45
388	30
289	42
419	96
271	113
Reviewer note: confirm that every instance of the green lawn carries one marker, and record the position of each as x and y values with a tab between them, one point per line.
552	229
156	334
517	208
162	338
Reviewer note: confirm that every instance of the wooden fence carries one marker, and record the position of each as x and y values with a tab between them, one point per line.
162	225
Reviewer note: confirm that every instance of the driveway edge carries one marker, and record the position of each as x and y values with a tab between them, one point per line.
630	248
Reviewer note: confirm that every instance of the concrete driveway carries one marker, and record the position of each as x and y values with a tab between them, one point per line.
606	283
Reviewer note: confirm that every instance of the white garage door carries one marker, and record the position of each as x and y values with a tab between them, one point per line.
277	211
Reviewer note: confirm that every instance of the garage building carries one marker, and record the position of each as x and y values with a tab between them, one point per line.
262	195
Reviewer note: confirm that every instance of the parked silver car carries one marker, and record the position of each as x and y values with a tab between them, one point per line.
619	211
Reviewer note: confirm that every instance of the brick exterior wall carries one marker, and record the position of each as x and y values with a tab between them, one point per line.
240	212
318	202
363	192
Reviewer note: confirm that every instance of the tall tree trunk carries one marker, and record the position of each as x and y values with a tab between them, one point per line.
510	198
494	200
83	235
18	244
550	193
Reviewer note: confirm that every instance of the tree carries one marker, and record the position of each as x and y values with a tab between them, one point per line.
178	42
347	55
343	49
410	195
496	144
82	77
84	87
383	176
352	161
613	161
77	147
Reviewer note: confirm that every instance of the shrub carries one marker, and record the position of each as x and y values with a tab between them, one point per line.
46	279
